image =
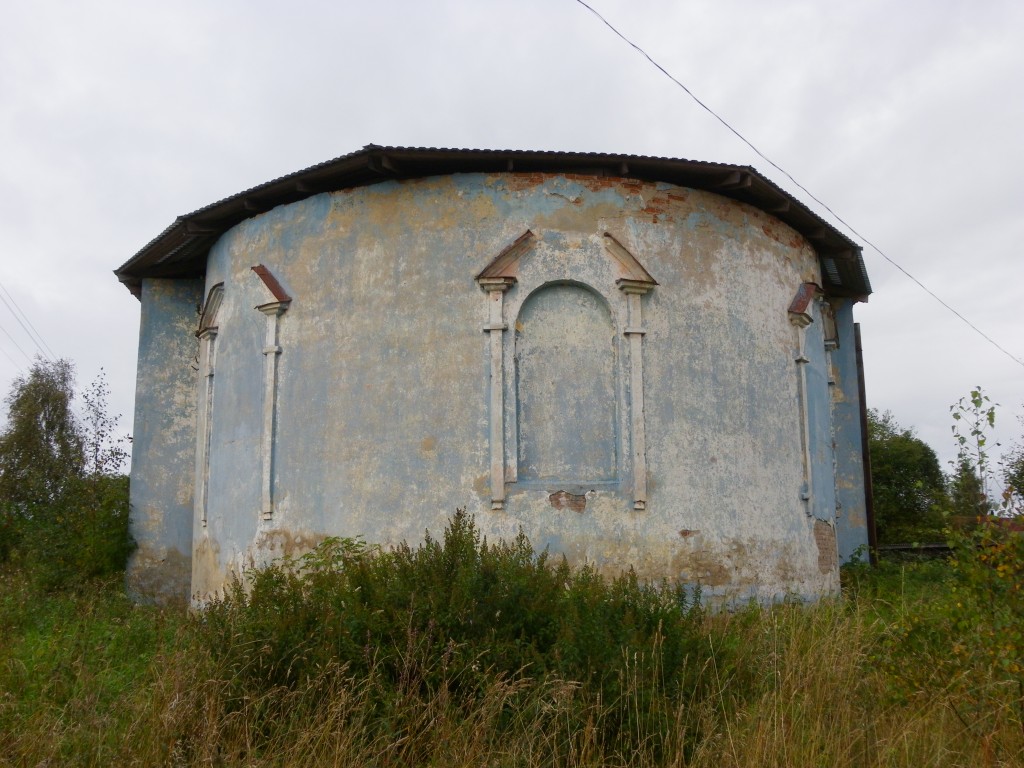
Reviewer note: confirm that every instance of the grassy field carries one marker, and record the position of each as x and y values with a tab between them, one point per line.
457	653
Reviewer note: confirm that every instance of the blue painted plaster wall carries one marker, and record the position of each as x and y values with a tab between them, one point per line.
164	443
851	509
383	383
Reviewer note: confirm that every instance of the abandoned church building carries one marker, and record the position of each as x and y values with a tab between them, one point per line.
639	362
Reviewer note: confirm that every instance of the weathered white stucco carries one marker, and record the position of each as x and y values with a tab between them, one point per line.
691	435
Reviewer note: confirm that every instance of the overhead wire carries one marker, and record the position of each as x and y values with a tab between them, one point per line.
33	334
13	361
15	343
789	176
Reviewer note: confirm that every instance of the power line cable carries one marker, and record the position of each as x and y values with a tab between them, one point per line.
13	361
15	343
29	333
47	353
786	173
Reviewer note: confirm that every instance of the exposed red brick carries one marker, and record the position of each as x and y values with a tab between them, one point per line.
565	500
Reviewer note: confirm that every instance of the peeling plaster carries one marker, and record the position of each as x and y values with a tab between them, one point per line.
383	392
164	440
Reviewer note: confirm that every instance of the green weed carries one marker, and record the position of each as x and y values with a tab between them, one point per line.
462	652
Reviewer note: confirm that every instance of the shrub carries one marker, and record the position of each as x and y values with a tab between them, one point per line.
989	608
88	679
63	501
454	617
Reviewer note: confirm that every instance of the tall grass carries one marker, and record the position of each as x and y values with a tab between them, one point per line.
494	657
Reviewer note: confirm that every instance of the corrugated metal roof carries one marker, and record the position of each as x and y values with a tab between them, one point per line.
181	249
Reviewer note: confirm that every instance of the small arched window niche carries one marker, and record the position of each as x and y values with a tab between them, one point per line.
565	387
566	403
207	335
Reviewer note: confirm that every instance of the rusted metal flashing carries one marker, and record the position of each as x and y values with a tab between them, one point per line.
279	293
800	308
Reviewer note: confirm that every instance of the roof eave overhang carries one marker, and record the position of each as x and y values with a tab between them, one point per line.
180	250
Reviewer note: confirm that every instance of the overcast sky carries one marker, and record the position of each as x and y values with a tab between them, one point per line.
905	118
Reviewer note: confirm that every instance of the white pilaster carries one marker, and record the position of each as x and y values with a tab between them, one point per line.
496	327
271	351
634	331
207	361
800	321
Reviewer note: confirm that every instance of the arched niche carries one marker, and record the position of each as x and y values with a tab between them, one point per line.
565	387
565	393
207	335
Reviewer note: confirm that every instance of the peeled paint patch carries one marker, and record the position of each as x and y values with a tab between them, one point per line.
565	500
281	542
206	569
825	538
704	567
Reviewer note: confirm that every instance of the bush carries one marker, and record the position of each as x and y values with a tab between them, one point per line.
989	612
954	630
457	616
63	501
83	536
88	679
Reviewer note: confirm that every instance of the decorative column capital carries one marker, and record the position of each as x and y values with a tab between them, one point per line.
491	284
800	319
638	287
274	308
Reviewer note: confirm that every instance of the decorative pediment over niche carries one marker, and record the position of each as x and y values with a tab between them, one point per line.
279	296
576	299
208	317
504	268
800	308
631	272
